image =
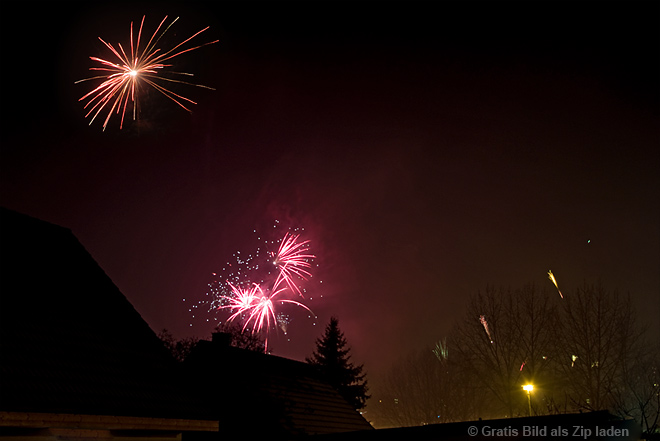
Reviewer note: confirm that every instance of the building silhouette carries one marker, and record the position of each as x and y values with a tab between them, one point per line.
77	361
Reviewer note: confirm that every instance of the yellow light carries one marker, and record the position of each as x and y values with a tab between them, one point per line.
528	387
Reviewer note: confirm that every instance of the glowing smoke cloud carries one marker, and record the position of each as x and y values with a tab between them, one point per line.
123	77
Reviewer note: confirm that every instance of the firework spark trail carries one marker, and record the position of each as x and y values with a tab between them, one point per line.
482	319
291	260
124	76
552	278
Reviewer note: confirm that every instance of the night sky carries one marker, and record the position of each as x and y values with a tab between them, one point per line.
428	149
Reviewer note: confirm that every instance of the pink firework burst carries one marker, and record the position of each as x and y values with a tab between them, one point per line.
123	77
292	259
256	307
254	294
242	300
256	288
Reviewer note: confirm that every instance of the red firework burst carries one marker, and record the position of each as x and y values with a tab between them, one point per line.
122	78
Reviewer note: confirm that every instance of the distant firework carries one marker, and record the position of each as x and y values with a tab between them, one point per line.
484	323
253	287
123	77
554	281
441	351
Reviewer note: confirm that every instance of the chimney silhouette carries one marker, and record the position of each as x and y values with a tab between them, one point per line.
221	339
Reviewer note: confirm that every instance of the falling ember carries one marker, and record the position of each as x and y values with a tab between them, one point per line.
483	321
123	77
573	358
552	278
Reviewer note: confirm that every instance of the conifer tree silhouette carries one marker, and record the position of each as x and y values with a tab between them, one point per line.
332	359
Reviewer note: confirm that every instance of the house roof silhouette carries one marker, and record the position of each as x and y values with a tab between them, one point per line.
78	361
290	397
72	345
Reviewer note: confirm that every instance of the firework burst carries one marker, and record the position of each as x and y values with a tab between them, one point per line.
142	65
256	289
256	307
292	260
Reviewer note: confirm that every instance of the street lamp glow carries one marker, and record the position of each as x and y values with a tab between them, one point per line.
529	388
